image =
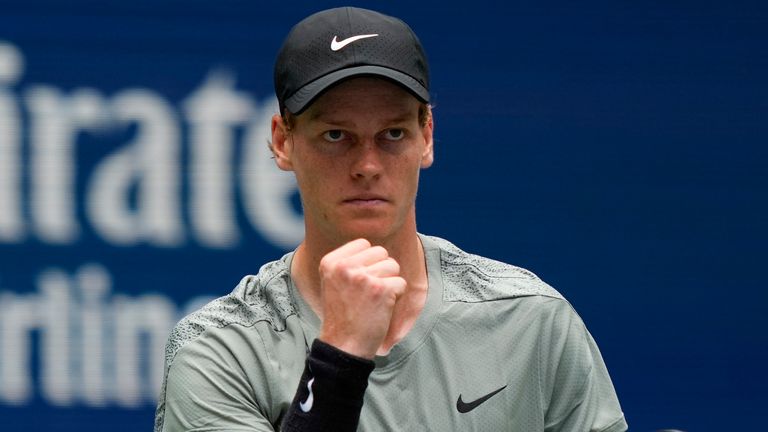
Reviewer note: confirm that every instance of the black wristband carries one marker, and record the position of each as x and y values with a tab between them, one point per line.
330	393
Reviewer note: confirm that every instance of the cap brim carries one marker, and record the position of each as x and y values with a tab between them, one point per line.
305	95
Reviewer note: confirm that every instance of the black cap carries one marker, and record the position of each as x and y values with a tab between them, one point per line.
337	44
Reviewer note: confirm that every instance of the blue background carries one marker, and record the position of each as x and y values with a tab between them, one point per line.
616	149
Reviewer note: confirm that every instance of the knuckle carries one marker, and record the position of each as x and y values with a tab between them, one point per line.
326	264
380	250
356	277
395	265
377	287
400	284
343	265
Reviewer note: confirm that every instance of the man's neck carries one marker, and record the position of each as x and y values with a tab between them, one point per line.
407	250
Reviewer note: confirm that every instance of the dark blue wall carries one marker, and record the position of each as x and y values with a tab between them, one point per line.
617	150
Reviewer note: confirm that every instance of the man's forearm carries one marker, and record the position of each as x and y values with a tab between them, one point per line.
331	391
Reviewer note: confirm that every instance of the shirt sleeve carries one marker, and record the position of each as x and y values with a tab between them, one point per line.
205	392
578	392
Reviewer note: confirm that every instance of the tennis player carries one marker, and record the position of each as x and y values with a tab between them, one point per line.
369	325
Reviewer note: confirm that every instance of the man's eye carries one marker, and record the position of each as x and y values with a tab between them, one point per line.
334	135
394	134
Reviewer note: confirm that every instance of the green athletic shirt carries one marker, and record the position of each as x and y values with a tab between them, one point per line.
235	364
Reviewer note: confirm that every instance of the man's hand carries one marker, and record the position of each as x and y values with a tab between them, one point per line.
359	285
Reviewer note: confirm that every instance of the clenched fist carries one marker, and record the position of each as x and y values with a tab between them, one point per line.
359	285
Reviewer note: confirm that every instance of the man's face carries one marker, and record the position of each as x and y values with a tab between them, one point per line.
356	153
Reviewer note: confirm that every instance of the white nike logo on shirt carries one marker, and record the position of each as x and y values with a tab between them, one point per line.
307	404
339	44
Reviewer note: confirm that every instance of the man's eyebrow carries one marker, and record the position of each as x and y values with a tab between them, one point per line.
330	119
315	114
403	117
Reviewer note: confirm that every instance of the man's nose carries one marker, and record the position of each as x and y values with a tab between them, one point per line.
367	164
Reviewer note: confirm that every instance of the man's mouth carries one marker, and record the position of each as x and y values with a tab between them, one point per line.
365	200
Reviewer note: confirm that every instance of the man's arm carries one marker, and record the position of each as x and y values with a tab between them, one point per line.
330	393
203	394
359	285
207	390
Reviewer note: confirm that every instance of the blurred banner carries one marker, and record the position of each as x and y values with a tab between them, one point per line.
164	176
617	151
133	172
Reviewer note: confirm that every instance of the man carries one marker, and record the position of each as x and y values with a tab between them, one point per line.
370	325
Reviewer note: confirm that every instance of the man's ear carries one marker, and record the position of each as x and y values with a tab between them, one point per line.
428	155
282	145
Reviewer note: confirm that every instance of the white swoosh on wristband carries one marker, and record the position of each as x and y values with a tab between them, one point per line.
306	406
339	44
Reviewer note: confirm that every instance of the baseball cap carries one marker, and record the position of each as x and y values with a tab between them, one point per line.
337	44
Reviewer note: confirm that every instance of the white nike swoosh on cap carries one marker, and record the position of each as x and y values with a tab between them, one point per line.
339	44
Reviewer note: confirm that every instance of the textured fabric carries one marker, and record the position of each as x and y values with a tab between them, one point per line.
487	329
